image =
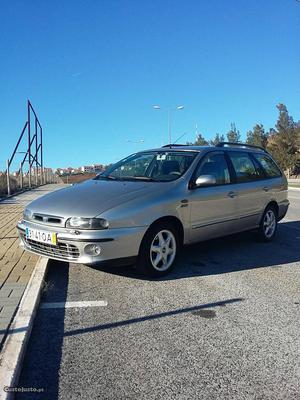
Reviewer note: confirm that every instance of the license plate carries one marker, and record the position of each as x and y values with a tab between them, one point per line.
41	236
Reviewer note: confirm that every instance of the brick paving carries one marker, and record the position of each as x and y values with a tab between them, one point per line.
16	265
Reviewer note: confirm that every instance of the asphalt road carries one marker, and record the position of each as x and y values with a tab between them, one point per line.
224	325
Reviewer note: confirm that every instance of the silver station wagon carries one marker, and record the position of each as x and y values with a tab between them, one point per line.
145	207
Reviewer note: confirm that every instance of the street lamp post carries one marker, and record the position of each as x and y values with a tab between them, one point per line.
170	110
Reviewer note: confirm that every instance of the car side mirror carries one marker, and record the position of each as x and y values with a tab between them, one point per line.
205	180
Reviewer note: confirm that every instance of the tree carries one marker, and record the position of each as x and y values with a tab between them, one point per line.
233	135
249	139
283	142
258	136
217	139
297	130
285	122
200	141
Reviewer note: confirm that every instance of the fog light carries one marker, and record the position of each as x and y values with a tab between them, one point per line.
92	249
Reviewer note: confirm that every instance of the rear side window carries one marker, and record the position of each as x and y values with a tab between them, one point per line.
270	168
244	168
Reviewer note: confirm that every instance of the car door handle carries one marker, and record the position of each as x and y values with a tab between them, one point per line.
266	188
232	194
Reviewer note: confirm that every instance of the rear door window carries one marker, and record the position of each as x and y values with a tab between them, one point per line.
268	165
244	167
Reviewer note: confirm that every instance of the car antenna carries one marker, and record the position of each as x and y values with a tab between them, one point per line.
185	133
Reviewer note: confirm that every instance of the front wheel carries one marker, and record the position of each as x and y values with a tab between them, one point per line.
158	250
268	224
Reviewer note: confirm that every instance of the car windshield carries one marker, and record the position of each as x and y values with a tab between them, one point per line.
159	166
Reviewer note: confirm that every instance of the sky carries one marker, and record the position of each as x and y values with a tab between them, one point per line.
94	69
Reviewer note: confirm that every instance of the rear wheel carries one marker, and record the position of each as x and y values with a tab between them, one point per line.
268	224
158	250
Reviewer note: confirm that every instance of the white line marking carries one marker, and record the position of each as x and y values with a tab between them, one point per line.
74	304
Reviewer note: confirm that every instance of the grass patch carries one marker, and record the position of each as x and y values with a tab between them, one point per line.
14	185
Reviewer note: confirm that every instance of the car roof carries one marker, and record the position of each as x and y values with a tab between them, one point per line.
180	148
221	146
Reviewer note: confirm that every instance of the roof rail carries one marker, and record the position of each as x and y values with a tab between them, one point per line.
174	145
242	145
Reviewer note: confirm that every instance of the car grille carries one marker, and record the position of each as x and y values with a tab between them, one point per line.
64	251
48	219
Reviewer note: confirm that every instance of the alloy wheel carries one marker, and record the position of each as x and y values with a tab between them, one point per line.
163	250
269	224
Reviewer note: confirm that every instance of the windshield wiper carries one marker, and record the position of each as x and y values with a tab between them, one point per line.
108	177
126	178
146	178
137	178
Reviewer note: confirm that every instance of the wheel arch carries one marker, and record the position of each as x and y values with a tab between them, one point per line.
273	204
172	220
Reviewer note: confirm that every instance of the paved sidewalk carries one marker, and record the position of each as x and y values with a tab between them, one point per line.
16	265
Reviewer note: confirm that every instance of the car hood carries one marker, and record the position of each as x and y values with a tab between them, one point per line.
91	198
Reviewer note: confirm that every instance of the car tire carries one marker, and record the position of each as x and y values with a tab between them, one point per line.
268	224
158	250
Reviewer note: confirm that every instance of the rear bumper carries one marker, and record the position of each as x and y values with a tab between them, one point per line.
283	208
71	246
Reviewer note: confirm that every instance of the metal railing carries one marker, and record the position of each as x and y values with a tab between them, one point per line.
34	153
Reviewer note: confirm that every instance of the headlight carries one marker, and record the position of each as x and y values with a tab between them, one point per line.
87	223
27	214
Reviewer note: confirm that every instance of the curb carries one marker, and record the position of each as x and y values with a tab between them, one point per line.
293	188
14	347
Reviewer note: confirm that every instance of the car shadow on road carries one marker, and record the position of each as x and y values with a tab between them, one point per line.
233	253
200	310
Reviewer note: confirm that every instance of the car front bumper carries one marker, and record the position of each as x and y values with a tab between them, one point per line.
71	244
